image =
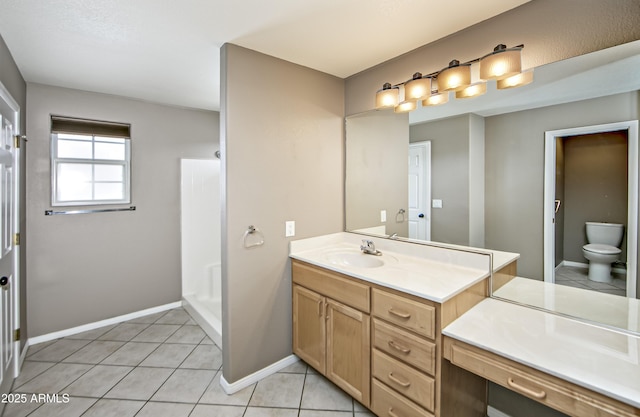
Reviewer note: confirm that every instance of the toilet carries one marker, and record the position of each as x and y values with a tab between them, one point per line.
603	249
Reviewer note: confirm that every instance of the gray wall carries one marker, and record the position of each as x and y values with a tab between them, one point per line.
12	80
515	170
595	187
457	177
377	146
551	30
282	159
84	268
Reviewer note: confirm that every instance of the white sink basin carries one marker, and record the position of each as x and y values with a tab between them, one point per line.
353	258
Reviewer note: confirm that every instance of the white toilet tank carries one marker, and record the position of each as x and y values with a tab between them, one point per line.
605	233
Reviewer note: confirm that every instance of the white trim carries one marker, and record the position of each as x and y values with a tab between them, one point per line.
95	325
256	376
494	412
586	266
632	196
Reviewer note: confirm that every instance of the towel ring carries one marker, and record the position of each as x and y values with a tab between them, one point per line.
400	218
252	231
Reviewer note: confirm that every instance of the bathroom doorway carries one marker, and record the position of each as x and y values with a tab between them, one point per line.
576	192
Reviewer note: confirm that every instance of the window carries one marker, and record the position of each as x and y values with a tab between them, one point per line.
90	162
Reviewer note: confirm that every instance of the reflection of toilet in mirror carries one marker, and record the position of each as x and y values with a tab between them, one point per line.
602	249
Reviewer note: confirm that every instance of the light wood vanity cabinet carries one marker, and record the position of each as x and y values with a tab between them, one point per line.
382	346
330	335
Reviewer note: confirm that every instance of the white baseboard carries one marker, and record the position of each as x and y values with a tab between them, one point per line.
257	376
492	412
95	325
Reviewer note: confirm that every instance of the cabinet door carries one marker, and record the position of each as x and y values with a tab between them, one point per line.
309	327
348	350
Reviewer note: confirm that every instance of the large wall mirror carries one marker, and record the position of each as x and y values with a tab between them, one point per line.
522	170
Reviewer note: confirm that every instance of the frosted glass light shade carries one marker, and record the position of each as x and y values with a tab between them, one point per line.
436	99
473	90
454	78
405	106
501	64
517	80
387	97
417	88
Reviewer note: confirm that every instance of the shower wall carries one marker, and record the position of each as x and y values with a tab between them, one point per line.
200	218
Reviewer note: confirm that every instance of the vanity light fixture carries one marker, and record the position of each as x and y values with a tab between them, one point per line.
406	106
388	96
517	80
417	88
474	90
503	65
455	77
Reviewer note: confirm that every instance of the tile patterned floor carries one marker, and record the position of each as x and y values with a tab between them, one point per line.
578	277
162	365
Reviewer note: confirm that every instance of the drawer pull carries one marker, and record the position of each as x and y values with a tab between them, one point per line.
400	314
392	413
404	384
535	394
399	348
320	308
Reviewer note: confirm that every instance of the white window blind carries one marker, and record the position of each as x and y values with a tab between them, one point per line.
90	162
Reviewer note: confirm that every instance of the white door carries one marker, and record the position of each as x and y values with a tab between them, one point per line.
420	190
9	282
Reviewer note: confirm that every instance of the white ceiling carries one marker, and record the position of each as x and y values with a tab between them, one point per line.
168	51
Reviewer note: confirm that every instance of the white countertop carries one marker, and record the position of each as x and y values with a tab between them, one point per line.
607	309
596	358
431	272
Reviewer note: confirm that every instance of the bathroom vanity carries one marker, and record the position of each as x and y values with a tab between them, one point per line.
413	333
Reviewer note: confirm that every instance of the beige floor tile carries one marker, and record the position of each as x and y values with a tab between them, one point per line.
296	368
74	408
140	384
114	408
270	412
154	409
185	386
158	333
19	409
204	357
124	332
30	370
95	352
131	354
168	356
324	413
91	334
187	334
97	381
320	394
278	391
205	410
177	316
148	319
59	350
55	379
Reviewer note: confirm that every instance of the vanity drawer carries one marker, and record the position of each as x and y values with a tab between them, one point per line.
405	346
387	403
404	379
412	315
332	285
539	386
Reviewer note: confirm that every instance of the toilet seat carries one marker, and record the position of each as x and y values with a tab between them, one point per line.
602	249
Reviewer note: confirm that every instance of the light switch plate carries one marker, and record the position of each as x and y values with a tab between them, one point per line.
436	204
289	228
383	216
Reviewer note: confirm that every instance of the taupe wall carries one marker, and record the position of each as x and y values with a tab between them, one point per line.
282	159
377	146
551	30
12	80
450	176
595	187
84	268
514	145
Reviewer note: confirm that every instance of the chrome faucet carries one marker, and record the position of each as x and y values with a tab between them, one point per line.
369	247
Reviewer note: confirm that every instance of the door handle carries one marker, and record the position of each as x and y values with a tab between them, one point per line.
421	215
3	282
